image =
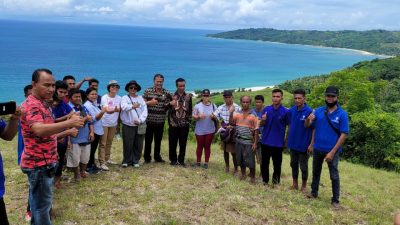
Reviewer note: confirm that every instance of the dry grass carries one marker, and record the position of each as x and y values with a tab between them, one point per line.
162	194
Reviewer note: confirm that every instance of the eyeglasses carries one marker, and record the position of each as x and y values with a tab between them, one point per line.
132	87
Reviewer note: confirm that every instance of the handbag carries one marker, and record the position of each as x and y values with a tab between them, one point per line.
142	127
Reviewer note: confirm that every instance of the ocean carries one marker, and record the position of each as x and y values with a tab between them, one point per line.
128	53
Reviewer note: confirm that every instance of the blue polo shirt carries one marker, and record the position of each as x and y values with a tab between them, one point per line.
2	178
21	145
275	126
299	136
325	137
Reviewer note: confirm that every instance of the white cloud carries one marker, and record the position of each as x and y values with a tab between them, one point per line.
294	14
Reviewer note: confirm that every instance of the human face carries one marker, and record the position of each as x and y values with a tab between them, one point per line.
29	92
158	82
70	83
94	85
228	100
92	96
181	87
331	100
76	99
44	88
132	90
205	98
61	93
246	101
299	100
114	89
259	104
276	98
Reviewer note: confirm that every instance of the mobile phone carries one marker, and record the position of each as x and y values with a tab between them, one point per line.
7	108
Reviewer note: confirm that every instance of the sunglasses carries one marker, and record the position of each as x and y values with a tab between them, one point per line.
132	88
114	86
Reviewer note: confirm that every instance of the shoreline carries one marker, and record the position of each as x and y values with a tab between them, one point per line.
362	52
255	88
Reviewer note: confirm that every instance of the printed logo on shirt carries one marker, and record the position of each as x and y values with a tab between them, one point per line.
303	117
336	120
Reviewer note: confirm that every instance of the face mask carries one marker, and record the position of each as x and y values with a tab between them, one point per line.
331	105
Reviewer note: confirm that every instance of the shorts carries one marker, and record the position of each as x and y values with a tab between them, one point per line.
78	154
228	147
245	157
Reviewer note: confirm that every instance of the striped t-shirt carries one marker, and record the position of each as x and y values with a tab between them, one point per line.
246	125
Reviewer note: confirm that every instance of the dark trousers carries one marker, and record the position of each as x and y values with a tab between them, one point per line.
175	135
299	159
318	160
93	148
132	144
155	131
3	213
61	149
276	153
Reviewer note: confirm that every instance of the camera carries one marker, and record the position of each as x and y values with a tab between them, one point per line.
7	108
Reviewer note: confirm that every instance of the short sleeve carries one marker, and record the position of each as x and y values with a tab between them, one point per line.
103	101
344	123
2	125
34	115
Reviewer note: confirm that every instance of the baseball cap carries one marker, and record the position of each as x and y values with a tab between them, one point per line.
332	90
227	93
205	92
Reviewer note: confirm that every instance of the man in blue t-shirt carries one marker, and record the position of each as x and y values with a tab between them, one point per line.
331	127
7	132
274	120
299	138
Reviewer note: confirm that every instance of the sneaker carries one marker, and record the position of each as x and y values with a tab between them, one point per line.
335	205
94	170
124	165
311	195
196	164
104	167
136	165
111	162
28	216
205	165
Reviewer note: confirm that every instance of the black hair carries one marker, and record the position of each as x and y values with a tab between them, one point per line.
277	90
83	96
299	91
259	97
61	85
36	74
27	88
73	91
68	77
93	80
158	75
87	92
179	80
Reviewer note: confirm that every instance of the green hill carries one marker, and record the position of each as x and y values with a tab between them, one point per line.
375	41
162	194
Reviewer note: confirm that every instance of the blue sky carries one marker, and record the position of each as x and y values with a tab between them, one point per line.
214	14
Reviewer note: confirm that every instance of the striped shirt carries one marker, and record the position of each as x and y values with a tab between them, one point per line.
245	127
222	112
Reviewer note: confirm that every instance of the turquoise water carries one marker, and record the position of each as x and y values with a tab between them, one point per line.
125	53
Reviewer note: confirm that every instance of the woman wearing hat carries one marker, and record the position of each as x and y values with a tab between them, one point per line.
133	115
110	122
205	127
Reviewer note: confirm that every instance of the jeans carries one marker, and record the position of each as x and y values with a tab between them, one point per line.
175	135
318	160
40	193
299	159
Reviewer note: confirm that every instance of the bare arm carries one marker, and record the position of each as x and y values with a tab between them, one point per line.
11	129
41	129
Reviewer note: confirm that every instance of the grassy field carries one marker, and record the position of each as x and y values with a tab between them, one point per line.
162	194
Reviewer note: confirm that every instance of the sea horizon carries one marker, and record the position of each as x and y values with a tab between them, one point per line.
124	53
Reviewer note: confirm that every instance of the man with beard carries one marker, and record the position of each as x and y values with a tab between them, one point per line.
331	126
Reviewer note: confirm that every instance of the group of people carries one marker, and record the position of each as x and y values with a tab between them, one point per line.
61	125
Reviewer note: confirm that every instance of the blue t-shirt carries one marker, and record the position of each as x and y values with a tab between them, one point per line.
299	136
61	110
325	137
2	178
275	126
83	132
259	115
